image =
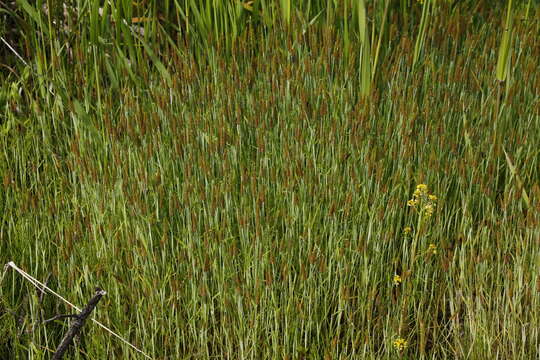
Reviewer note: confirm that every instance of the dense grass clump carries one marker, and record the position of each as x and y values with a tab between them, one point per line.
268	180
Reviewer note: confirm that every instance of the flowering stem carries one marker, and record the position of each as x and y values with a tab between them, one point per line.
415	240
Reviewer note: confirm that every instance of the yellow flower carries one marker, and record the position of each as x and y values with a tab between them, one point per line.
397	280
421	188
407	230
412	203
400	344
432	249
423	199
428	210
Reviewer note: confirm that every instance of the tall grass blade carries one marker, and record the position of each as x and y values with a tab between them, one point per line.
422	30
365	50
514	172
506	43
286	11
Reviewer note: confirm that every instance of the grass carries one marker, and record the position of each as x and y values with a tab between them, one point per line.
223	177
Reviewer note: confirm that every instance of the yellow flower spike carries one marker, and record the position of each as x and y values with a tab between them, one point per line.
412	203
400	344
407	230
432	249
397	280
432	198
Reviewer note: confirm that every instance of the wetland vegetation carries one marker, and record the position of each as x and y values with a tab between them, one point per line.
272	179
